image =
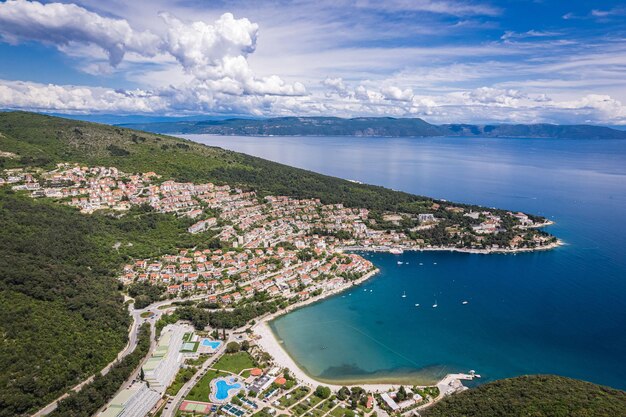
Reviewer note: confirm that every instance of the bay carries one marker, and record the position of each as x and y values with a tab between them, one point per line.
560	312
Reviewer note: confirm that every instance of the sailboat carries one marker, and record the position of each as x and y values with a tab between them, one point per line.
404	294
435	305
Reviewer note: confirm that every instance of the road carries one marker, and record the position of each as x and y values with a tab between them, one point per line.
130	346
133	333
172	405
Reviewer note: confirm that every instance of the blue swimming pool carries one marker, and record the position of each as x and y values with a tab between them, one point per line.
213	344
223	388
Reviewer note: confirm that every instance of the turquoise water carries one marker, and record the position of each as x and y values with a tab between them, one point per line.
223	388
561	312
211	343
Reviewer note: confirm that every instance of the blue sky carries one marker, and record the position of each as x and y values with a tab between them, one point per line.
442	60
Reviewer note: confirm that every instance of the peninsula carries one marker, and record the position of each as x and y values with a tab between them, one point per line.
220	240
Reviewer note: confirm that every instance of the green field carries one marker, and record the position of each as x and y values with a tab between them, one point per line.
234	362
201	391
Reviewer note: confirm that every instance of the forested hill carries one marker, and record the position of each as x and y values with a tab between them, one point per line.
374	126
536	396
44	140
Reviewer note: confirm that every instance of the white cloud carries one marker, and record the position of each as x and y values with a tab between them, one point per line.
61	24
35	96
509	34
395	93
215	54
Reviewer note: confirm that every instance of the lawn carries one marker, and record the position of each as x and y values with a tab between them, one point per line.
146	314
326	406
294	396
338	411
235	362
201	391
306	405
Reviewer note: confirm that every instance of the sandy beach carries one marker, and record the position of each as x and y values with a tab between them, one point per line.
267	341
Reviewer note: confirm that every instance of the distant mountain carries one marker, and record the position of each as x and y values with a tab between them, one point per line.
373	126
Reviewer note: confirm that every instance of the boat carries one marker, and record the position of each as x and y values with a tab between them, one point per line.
417	305
421	263
396	251
404	294
465	302
435	305
400	262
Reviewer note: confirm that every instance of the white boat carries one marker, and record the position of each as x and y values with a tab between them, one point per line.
417	305
465	302
421	263
435	305
400	262
404	294
434	263
396	251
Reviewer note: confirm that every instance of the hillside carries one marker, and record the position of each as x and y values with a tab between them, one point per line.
44	140
61	313
374	126
537	396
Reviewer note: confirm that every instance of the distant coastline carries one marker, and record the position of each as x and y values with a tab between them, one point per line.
374	127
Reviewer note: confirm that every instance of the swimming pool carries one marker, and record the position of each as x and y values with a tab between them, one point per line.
224	388
213	344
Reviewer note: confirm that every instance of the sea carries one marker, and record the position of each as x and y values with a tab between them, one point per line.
556	312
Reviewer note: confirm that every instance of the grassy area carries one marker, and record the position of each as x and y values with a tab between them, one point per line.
338	411
306	405
326	406
293	397
197	361
235	362
183	375
146	314
201	391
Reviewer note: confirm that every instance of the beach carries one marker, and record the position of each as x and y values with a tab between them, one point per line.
267	341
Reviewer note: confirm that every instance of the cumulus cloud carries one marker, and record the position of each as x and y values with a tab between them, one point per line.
214	53
395	93
35	96
61	24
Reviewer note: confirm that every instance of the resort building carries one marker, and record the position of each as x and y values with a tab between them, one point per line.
161	368
135	401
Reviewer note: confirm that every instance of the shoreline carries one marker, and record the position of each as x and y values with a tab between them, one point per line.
504	251
268	342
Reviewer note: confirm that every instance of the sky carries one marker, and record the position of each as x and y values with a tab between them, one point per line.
446	61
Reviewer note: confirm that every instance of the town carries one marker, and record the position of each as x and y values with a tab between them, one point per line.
243	219
270	253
